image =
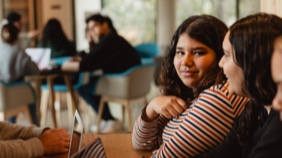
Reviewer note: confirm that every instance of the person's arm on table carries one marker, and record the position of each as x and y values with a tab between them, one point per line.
72	65
20	141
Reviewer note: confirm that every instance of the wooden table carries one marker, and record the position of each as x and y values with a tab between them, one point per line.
36	81
117	145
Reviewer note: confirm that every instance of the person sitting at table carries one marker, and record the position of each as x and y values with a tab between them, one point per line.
16	19
54	37
111	53
15	63
248	48
195	112
21	141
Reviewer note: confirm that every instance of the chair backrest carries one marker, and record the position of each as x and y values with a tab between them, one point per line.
15	94
131	84
147	50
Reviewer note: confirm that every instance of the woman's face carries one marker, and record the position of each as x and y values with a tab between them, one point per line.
192	60
96	29
276	70
231	70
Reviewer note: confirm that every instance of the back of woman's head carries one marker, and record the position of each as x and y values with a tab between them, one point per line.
13	17
9	33
205	29
252	39
53	33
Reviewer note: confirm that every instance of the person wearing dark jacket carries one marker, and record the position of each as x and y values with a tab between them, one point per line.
110	53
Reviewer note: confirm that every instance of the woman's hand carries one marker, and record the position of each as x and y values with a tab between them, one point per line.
75	58
168	106
71	65
55	141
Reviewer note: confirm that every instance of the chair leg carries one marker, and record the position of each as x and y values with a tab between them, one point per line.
52	98
100	112
28	115
57	106
2	116
44	108
123	114
70	109
129	115
83	105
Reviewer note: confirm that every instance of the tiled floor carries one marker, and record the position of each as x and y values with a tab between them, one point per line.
89	117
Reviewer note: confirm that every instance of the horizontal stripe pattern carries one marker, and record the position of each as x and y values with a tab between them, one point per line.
199	128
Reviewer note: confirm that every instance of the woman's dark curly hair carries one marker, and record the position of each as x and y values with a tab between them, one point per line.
206	29
252	38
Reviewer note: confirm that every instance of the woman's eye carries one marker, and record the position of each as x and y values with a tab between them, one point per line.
180	53
199	53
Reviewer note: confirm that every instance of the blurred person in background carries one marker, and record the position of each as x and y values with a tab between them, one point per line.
16	19
110	53
54	38
15	64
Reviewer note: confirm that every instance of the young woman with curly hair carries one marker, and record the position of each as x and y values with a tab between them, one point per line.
195	111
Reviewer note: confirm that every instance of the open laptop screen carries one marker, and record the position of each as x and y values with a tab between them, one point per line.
40	56
76	135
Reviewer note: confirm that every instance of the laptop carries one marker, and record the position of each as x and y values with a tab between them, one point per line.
40	56
93	149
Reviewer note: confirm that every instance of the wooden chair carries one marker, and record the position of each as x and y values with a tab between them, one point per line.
51	91
15	98
122	88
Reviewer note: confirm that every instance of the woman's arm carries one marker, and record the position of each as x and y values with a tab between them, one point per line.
146	135
148	129
207	122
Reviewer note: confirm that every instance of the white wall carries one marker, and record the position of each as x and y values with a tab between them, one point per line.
271	6
60	9
82	8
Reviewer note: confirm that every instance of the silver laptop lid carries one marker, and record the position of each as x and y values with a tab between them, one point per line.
76	135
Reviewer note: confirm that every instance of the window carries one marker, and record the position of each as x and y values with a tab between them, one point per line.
223	9
135	20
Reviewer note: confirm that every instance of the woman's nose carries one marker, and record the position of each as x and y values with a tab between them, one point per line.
188	60
277	103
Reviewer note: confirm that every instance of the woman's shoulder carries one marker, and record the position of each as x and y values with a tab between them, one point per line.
218	88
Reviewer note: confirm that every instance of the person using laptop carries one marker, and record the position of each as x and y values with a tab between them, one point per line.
21	141
110	53
14	62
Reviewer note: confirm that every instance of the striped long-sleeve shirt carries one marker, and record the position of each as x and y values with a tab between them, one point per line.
199	128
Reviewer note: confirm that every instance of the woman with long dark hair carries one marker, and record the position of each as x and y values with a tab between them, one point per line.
248	48
195	111
54	37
